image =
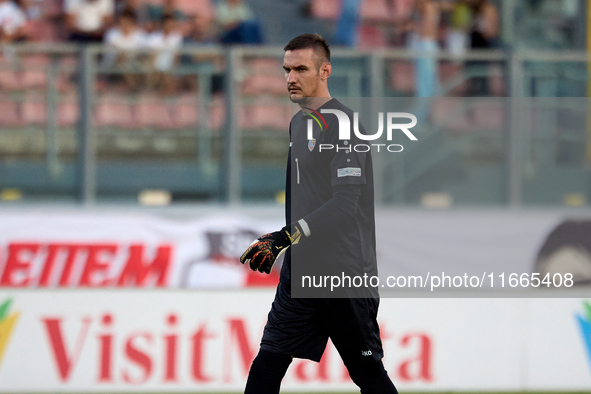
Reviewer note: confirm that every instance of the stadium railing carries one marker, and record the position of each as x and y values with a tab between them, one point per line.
70	129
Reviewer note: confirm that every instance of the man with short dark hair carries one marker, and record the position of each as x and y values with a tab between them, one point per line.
330	224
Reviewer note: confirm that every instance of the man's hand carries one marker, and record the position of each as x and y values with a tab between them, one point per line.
263	252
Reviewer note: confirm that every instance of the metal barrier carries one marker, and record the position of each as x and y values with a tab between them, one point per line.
357	74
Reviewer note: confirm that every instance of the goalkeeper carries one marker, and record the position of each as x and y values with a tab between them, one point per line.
330	226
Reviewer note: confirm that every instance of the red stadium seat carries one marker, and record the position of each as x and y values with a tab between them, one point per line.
450	113
186	112
497	81
257	84
196	7
9	114
402	9
326	9
10	78
41	31
490	116
449	70
217	112
375	10
371	37
35	71
402	76
52	8
34	109
114	111
266	77
68	111
265	116
152	111
67	67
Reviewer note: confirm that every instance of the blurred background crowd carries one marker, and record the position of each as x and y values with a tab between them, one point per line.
171	82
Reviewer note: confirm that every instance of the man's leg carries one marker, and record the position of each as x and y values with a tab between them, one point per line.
354	331
371	378
266	373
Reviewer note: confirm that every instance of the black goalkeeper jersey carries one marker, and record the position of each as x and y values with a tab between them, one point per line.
339	243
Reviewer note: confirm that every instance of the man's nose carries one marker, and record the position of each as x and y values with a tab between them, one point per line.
291	77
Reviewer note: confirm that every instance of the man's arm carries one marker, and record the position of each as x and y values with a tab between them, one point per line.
342	206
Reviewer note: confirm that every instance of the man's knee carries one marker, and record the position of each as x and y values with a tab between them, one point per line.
372	378
269	365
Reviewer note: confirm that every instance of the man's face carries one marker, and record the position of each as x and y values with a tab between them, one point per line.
127	24
301	73
169	25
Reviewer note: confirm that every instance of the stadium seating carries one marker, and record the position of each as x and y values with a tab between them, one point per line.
371	37
489	116
326	9
151	111
35	71
196	7
10	77
185	114
375	11
34	109
265	76
450	113
9	113
265	116
402	77
68	111
114	110
191	7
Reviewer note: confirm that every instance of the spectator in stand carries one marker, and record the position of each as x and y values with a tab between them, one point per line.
458	33
165	43
12	22
424	24
88	20
140	9
201	34
484	35
126	38
238	23
346	31
157	12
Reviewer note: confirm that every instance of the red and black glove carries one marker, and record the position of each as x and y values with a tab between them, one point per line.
264	251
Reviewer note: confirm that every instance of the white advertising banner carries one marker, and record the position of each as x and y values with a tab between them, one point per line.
204	341
117	248
120	249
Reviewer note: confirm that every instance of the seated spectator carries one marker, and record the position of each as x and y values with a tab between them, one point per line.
157	12
139	8
238	23
165	42
126	38
457	39
201	34
87	20
12	22
484	35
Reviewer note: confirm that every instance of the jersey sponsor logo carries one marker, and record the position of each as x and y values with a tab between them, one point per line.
366	353
311	144
349	171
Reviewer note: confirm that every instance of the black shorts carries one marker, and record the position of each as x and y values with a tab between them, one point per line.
301	327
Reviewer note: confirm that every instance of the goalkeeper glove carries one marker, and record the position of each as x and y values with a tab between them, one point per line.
264	251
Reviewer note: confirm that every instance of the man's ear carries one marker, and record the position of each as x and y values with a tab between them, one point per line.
325	71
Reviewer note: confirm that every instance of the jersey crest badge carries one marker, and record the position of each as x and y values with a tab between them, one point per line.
311	144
